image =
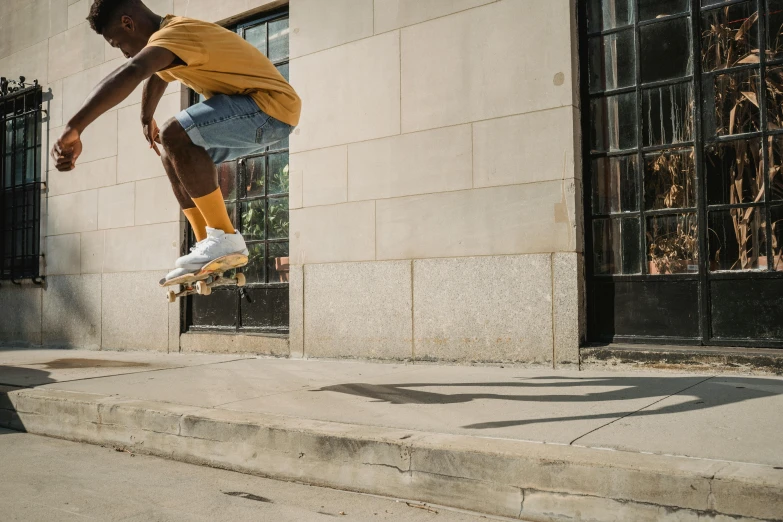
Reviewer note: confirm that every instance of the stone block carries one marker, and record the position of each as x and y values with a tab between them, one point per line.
393	14
322	176
32	63
24	27
99	139
483	309
480	72
115	206
21	317
294	184
136	160
86	176
420	163
63	255
296	311
92	246
72	311
525	149
145	248
223	11
77	12
316	25
568	310
155	202
58	16
361	103
70	213
518	219
76	49
135	313
358	310
333	234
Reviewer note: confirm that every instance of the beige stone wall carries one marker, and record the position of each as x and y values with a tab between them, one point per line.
435	190
111	227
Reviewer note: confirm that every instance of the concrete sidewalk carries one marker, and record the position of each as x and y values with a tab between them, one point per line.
534	444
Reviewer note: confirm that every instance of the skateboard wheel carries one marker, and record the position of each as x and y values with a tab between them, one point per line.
241	280
203	288
172	296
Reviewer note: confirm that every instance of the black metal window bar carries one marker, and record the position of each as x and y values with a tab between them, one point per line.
255	189
20	179
683	141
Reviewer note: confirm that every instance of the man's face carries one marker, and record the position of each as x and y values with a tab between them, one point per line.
123	35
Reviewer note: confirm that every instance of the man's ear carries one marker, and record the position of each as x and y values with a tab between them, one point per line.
126	22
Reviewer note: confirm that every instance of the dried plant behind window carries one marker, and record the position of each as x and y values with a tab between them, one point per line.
669	180
673	243
727	43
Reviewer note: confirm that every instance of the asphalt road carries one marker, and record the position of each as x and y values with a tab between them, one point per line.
53	480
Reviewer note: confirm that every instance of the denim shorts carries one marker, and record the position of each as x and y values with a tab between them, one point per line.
230	127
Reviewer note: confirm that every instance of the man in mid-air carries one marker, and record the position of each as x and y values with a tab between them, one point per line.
249	106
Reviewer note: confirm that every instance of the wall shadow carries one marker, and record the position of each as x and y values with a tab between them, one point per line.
11	379
573	390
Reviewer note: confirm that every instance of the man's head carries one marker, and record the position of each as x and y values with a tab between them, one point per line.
125	24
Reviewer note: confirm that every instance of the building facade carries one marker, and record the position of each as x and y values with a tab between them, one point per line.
430	205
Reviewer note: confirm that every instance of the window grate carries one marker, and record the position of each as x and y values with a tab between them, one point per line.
20	180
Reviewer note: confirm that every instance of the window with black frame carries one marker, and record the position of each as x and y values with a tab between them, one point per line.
255	189
20	179
684	144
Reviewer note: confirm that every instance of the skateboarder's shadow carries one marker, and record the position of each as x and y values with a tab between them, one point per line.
702	393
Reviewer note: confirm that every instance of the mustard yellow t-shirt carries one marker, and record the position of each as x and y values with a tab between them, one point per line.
219	61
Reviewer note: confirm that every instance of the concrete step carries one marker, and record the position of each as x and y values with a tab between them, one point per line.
504	477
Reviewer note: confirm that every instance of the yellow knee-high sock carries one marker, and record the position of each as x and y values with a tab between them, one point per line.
197	223
213	208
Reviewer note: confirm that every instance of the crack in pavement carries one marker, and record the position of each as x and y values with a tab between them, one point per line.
640	409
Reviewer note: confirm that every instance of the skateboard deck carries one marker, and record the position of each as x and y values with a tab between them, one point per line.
210	276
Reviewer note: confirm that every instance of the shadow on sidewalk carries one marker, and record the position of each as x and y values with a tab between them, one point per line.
10	376
738	389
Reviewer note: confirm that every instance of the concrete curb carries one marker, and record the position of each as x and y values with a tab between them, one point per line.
518	479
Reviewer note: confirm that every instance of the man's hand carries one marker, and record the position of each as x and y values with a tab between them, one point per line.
67	150
152	134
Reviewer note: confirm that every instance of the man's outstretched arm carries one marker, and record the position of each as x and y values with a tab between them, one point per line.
111	91
154	89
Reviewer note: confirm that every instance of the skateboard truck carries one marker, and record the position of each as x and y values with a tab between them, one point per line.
205	286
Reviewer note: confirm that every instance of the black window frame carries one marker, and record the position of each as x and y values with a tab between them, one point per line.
699	143
266	287
21	108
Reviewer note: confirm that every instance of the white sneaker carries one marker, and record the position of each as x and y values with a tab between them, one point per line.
174	274
217	244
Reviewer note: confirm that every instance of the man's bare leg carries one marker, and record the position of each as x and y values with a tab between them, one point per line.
197	173
196	220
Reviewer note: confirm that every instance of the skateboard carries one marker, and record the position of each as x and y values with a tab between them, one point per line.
210	276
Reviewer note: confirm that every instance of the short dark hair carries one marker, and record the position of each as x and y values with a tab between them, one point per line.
102	11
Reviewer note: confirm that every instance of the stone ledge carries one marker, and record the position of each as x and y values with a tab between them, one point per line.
697	359
518	479
216	342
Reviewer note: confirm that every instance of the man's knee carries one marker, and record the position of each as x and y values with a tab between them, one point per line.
173	136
